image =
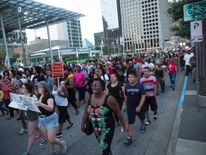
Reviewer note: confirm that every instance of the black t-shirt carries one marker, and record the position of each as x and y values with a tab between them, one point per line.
44	100
159	73
134	94
116	91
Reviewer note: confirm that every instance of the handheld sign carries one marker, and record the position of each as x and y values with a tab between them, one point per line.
23	102
57	69
6	84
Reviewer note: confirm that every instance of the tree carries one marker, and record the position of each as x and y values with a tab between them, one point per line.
180	28
97	48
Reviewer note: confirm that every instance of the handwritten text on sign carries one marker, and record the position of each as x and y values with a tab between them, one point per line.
58	69
23	102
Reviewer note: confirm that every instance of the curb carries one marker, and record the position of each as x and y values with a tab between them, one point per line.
175	130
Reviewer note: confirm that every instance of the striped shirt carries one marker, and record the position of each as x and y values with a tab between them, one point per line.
149	84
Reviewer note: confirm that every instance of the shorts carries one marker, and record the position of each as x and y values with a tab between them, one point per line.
150	101
63	114
131	114
32	116
50	121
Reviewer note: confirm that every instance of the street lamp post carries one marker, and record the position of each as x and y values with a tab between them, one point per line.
77	54
21	34
7	59
102	47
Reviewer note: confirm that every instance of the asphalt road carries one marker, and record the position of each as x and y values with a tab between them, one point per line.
153	142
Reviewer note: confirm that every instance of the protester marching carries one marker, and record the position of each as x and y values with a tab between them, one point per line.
40	96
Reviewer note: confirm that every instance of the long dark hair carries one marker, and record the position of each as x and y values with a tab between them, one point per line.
29	87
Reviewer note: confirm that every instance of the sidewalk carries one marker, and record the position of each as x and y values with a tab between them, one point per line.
192	131
190	125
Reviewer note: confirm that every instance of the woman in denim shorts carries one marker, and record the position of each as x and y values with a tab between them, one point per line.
48	119
27	90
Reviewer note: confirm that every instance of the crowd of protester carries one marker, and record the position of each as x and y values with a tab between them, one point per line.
127	83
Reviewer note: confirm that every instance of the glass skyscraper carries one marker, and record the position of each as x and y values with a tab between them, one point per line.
145	24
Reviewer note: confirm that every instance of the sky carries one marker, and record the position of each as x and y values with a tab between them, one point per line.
91	22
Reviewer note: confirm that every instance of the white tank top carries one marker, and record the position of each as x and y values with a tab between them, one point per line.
60	101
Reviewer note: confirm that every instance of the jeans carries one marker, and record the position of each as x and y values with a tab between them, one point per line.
172	78
50	121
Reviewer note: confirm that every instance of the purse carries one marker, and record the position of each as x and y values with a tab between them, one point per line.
88	127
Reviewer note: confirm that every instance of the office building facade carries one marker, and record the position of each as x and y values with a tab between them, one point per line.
69	30
145	24
74	33
110	36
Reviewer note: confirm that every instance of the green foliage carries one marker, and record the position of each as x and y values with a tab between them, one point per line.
176	13
97	48
176	10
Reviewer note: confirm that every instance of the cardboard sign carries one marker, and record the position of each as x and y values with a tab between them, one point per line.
6	84
57	69
23	102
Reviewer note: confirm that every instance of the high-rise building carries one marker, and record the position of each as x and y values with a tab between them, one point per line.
145	24
70	30
109	13
110	36
74	33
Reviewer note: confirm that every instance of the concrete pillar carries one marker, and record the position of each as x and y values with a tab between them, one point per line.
7	60
22	44
201	67
49	41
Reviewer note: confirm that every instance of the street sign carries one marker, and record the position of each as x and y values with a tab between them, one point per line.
195	11
196	31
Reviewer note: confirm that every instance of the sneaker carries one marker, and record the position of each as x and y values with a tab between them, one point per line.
70	126
128	140
58	135
63	147
147	123
23	131
142	129
44	141
155	116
